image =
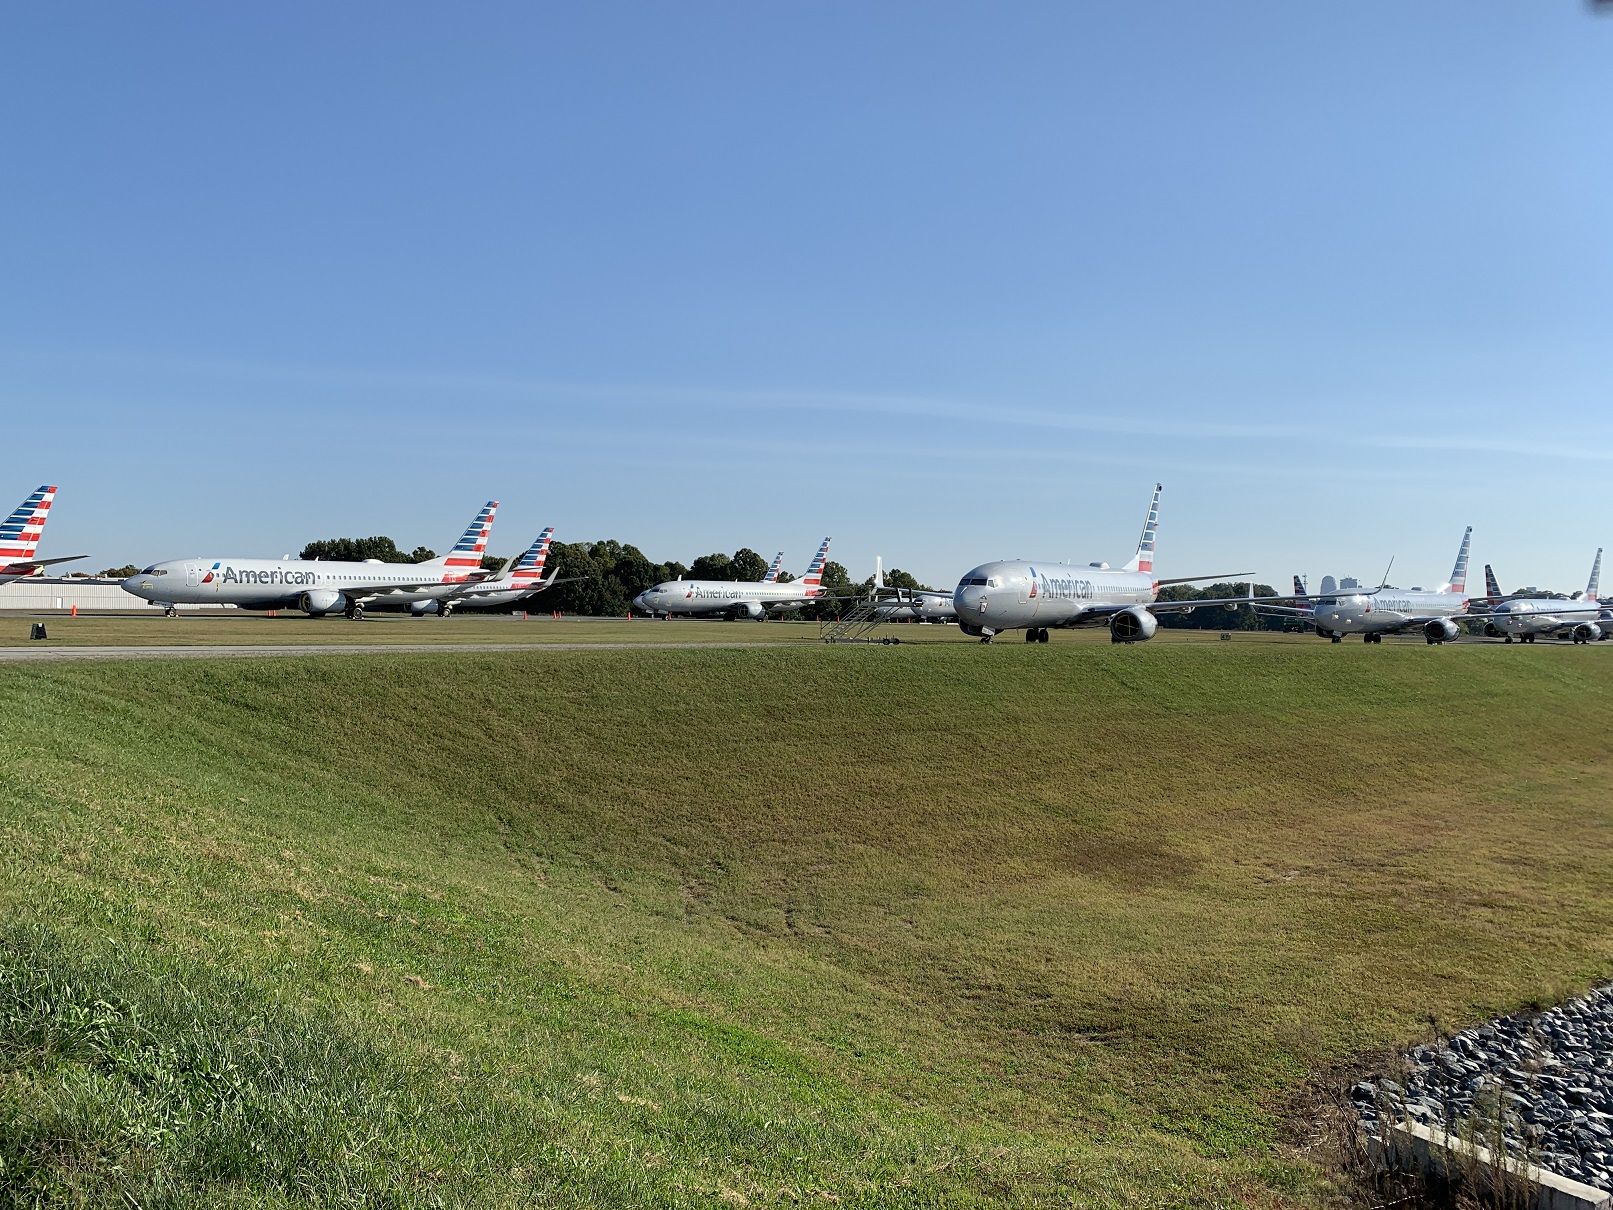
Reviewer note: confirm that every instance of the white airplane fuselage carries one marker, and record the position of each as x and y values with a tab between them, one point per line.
1548	615
312	585
1017	594
1384	612
718	598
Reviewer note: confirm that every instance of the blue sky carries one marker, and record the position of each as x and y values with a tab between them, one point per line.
947	281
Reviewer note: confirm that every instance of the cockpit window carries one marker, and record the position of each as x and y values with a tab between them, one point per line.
994	582
974	581
153	571
1329	601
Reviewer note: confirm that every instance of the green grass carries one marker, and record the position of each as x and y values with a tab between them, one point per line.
918	926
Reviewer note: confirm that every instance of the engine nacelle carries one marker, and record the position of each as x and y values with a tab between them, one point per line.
322	600
750	609
1491	630
1134	625
1587	632
421	608
1441	630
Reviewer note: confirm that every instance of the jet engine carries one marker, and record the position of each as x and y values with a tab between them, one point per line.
1441	630
1134	625
322	600
750	609
421	608
1491	630
1587	632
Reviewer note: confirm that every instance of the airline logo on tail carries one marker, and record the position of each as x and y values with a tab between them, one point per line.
21	531
1143	560
814	574
1299	586
773	569
530	565
1593	585
466	557
1490	584
1458	580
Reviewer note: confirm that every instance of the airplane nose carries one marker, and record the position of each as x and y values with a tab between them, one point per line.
639	604
969	602
133	585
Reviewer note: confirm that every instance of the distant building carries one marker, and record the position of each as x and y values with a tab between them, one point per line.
22	596
1349	584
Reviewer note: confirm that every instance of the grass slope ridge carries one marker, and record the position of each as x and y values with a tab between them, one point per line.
879	927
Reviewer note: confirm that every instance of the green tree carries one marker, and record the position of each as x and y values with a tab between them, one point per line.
356	550
747	565
118	573
714	567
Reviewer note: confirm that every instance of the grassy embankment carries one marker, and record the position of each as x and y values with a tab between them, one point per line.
889	926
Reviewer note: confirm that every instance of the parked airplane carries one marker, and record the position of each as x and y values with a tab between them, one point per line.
1037	597
1389	610
1582	617
20	534
733	599
524	579
773	569
465	559
315	586
912	604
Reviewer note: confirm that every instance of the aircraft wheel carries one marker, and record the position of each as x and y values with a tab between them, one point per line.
356	613
1507	639
1336	639
1044	636
1030	635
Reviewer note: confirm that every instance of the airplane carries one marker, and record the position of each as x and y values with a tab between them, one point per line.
523	579
1037	597
733	599
317	587
466	560
20	534
1387	610
1581	617
918	604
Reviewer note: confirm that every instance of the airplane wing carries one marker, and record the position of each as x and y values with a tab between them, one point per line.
27	567
1229	577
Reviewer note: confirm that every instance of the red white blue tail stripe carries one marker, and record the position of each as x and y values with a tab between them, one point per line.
465	559
1594	584
530	565
1458	580
773	569
1491	586
814	574
1143	560
21	531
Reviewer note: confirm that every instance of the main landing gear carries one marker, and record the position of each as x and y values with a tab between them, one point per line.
1372	638
1036	635
355	612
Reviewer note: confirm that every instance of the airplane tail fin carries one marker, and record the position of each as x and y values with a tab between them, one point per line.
465	559
1143	560
879	572
1299	586
813	579
21	531
528	568
1593	585
1458	581
773	569
1491	587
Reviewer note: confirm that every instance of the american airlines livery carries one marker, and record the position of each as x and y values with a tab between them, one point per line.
773	569
733	599
20	534
1037	597
524	579
314	586
1387	610
1582	617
